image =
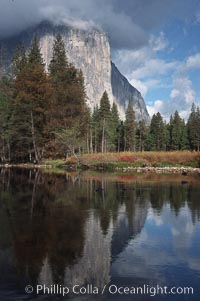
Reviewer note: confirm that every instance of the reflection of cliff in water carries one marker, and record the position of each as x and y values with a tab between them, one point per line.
63	230
127	228
100	249
103	243
58	229
37	227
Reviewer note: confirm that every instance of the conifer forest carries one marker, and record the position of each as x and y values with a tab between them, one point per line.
44	114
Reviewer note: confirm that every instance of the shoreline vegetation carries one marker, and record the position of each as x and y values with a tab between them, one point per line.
183	162
44	115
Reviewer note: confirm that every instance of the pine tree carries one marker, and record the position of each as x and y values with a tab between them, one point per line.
30	104
166	137
84	128
58	65
115	123
121	137
96	130
184	137
177	132
130	129
141	135
58	69
105	106
149	143
157	132
193	126
35	56
68	109
6	91
105	122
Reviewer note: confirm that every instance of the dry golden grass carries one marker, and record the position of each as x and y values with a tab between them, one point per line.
183	158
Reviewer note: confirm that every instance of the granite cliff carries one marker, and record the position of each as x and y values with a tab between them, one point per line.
123	91
89	50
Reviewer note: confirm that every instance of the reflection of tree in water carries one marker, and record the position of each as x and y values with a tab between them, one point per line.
40	228
173	193
66	240
194	202
74	227
48	222
177	197
176	194
107	201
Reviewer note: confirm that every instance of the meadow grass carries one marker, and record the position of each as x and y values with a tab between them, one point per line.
140	159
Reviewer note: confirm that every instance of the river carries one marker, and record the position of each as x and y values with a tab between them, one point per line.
99	236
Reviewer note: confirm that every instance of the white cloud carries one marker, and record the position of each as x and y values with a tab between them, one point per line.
140	250
140	86
182	90
146	70
143	63
193	62
157	106
125	32
159	43
58	15
182	93
174	93
184	113
129	60
153	68
181	98
145	85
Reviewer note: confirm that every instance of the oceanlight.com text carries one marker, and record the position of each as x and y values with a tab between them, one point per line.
111	289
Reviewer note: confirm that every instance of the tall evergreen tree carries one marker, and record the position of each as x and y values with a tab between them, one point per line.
96	130
184	137
121	137
58	69
193	126
149	143
141	135
68	102
115	123
6	91
58	64
30	104
130	129
157	132
34	55
105	122
177	128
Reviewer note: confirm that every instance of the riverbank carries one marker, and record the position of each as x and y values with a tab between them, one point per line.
182	162
129	169
166	162
27	165
180	170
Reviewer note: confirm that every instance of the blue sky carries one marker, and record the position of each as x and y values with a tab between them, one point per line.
154	43
166	70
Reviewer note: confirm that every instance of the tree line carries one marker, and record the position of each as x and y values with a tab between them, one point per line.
43	114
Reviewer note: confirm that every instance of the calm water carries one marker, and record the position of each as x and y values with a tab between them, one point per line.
98	229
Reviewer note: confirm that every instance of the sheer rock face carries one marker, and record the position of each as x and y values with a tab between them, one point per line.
100	249
89	50
123	91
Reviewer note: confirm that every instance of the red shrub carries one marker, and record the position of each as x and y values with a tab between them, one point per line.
127	158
